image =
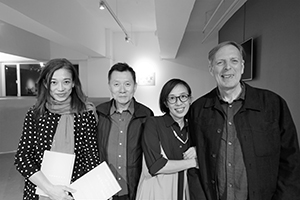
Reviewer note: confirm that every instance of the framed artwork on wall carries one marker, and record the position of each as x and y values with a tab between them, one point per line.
248	58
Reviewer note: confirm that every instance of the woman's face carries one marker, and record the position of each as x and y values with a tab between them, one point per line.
61	85
179	109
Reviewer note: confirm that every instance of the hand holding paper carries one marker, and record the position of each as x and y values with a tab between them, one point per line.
99	183
57	168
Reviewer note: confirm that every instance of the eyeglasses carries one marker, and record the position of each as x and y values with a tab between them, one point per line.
173	99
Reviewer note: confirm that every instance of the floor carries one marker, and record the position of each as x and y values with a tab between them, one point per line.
11	182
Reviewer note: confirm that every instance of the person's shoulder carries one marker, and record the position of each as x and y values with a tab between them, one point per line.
264	93
104	107
31	109
30	112
141	108
209	95
263	99
88	112
154	120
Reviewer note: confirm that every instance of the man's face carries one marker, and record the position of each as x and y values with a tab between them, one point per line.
122	87
227	67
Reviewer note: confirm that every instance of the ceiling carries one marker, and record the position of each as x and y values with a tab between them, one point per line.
77	24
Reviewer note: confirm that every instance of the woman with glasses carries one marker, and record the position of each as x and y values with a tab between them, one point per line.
168	153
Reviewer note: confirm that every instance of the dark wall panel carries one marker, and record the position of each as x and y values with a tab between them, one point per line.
234	28
275	27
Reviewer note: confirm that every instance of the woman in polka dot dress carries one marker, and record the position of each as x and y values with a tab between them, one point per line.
61	120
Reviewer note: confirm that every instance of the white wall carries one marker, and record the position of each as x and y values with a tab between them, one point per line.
97	84
143	55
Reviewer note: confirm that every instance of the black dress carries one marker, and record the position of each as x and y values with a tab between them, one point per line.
164	131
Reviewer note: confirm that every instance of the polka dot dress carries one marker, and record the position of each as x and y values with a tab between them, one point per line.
37	136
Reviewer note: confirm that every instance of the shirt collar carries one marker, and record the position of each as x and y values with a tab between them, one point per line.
169	121
240	97
130	108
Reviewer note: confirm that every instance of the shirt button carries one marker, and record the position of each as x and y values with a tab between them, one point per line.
119	179
120	143
230	185
180	146
120	156
230	106
229	164
121	131
219	131
229	143
213	155
119	167
229	123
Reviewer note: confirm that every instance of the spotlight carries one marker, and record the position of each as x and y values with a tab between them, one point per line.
101	5
104	5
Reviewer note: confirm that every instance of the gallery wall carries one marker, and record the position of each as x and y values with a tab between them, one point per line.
274	26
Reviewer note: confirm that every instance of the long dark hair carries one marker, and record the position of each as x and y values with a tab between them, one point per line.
43	86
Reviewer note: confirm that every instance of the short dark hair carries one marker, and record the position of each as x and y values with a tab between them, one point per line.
212	53
121	67
44	81
167	88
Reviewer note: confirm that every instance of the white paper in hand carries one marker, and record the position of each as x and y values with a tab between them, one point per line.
58	168
97	184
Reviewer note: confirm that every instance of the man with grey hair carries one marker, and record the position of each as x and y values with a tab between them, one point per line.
246	140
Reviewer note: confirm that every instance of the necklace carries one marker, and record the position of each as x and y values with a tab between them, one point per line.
175	134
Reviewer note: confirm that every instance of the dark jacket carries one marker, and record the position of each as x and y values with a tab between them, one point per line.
134	149
268	139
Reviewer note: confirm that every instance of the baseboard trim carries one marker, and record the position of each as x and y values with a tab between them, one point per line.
8	152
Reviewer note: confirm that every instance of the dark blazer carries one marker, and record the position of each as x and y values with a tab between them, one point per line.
134	148
268	138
